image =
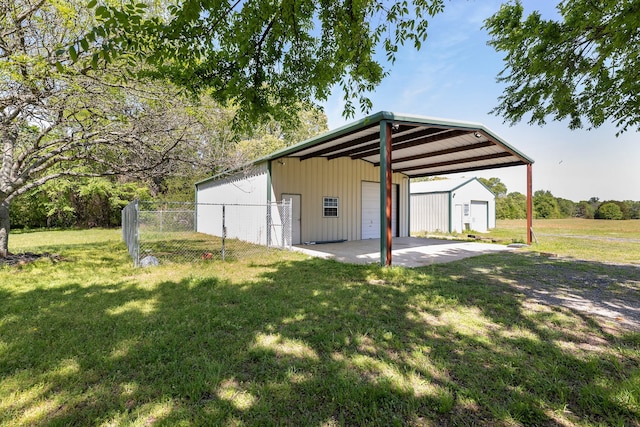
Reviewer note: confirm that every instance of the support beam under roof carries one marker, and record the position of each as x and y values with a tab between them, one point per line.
413	142
456	162
441	152
461	170
386	182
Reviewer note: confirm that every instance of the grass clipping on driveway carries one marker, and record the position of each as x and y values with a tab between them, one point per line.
289	340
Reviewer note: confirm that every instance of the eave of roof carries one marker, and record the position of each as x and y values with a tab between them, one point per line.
439	186
423	146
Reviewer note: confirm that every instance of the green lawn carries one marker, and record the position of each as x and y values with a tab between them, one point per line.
284	339
586	239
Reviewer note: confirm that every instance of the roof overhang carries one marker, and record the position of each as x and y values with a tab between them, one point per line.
421	146
418	146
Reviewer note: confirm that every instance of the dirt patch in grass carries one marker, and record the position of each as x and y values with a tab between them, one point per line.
26	258
609	292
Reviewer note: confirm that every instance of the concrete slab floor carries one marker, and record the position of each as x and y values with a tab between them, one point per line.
406	251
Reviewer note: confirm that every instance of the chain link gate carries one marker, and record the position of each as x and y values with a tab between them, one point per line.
165	232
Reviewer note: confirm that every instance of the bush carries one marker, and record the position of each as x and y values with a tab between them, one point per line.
609	210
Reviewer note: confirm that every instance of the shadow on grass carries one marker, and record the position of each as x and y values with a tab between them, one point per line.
312	342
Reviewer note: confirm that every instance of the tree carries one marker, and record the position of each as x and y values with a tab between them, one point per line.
584	209
545	205
606	211
68	202
584	67
513	206
497	187
633	208
267	57
60	119
242	148
272	136
566	207
609	210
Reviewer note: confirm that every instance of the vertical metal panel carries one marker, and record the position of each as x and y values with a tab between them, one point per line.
404	207
250	224
430	212
453	212
317	177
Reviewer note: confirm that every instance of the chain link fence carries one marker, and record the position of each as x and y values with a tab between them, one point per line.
170	232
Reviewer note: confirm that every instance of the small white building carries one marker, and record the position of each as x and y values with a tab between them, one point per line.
352	183
452	205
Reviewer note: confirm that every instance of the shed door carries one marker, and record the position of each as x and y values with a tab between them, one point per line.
479	216
457	219
296	217
371	210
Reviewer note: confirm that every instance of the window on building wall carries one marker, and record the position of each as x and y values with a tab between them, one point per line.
466	209
330	207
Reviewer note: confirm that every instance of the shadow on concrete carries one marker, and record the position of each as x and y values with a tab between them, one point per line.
406	251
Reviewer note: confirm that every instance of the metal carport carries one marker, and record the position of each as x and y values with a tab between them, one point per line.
416	146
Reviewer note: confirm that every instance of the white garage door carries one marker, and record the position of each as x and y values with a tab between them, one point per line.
371	210
479	216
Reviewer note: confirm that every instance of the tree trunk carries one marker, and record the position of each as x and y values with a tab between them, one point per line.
4	228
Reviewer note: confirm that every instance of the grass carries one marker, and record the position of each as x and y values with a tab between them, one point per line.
283	339
592	240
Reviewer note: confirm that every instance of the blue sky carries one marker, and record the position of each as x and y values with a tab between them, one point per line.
453	76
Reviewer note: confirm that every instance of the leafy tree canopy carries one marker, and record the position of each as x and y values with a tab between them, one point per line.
545	205
609	210
584	67
267	57
496	186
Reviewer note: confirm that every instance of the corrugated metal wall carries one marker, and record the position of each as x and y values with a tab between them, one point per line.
316	178
430	212
245	223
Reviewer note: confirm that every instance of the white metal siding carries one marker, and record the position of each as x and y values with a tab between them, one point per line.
371	210
316	178
474	191
430	212
248	223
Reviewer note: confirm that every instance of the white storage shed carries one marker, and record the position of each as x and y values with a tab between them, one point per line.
452	205
352	183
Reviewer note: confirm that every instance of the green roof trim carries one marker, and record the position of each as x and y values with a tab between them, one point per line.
464	183
371	121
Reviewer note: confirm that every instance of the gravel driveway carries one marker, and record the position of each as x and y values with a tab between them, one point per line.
609	293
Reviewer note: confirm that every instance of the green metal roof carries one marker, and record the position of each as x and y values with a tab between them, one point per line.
422	146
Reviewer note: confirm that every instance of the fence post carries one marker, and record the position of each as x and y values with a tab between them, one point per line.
286	218
290	223
136	234
269	224
224	231
283	220
195	217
